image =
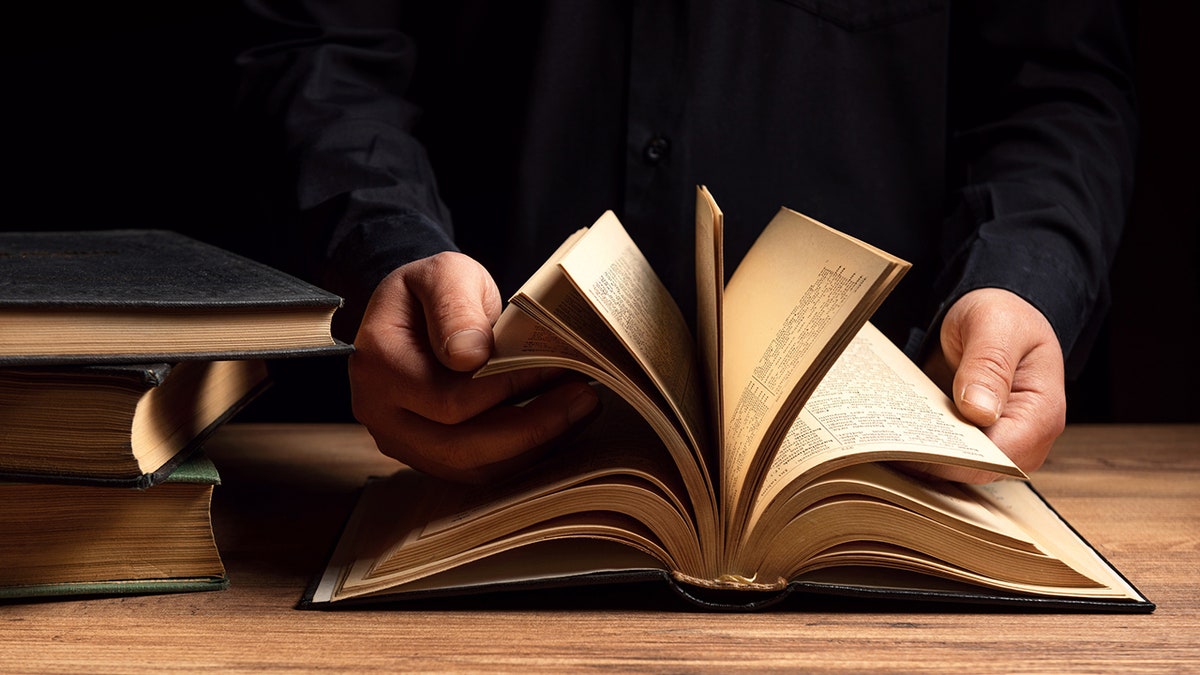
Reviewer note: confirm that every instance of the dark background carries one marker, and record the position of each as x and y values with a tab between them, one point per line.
121	115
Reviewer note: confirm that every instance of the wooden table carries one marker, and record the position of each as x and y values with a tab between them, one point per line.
1134	491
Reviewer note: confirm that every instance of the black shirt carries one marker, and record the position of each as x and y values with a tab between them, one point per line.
989	143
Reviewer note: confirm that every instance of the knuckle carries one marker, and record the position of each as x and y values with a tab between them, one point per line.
427	448
537	435
445	407
446	455
1056	422
445	412
993	362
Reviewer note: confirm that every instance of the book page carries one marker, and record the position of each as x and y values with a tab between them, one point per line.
953	504
876	405
618	282
1029	548
561	561
613	482
710	292
523	342
796	299
892	536
1018	501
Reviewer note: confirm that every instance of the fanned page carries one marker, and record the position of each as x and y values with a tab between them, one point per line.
797	298
874	405
616	279
710	290
410	527
523	342
999	536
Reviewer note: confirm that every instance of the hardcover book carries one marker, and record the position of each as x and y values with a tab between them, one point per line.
78	540
778	451
148	296
119	425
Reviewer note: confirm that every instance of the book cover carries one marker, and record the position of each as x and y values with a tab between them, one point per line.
78	540
117	425
137	296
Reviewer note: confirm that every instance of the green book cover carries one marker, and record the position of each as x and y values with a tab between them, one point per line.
64	540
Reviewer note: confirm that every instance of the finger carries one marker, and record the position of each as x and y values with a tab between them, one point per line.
984	351
1008	359
984	378
460	303
1036	410
458	399
1026	432
1008	376
383	383
495	442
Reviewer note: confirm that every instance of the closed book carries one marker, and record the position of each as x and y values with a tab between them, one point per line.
141	296
122	425
75	540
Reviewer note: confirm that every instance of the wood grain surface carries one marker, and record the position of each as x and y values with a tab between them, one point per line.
1133	491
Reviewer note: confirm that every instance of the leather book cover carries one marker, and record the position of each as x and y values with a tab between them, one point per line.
148	273
140	268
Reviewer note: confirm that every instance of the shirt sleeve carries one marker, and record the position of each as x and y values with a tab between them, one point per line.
324	101
1043	137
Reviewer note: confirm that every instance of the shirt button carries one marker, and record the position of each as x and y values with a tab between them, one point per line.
656	150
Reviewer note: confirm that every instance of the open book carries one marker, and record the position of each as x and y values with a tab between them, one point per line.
757	458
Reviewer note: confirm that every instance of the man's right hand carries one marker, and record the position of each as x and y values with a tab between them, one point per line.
427	328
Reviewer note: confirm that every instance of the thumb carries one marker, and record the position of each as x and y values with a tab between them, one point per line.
979	345
460	302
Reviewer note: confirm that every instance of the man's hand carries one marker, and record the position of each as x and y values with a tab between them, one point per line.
1001	361
427	327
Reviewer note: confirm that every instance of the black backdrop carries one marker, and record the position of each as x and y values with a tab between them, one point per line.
120	115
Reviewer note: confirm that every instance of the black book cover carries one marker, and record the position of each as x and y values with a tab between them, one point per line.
147	271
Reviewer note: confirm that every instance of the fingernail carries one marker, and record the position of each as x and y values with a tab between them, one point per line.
983	398
582	403
466	342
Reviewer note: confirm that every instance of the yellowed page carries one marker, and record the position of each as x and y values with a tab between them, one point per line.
616	279
550	559
522	342
425	526
876	405
1063	564
559	323
163	425
787	311
875	531
710	291
952	504
1016	500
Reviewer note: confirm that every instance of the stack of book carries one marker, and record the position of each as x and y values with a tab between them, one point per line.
121	351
